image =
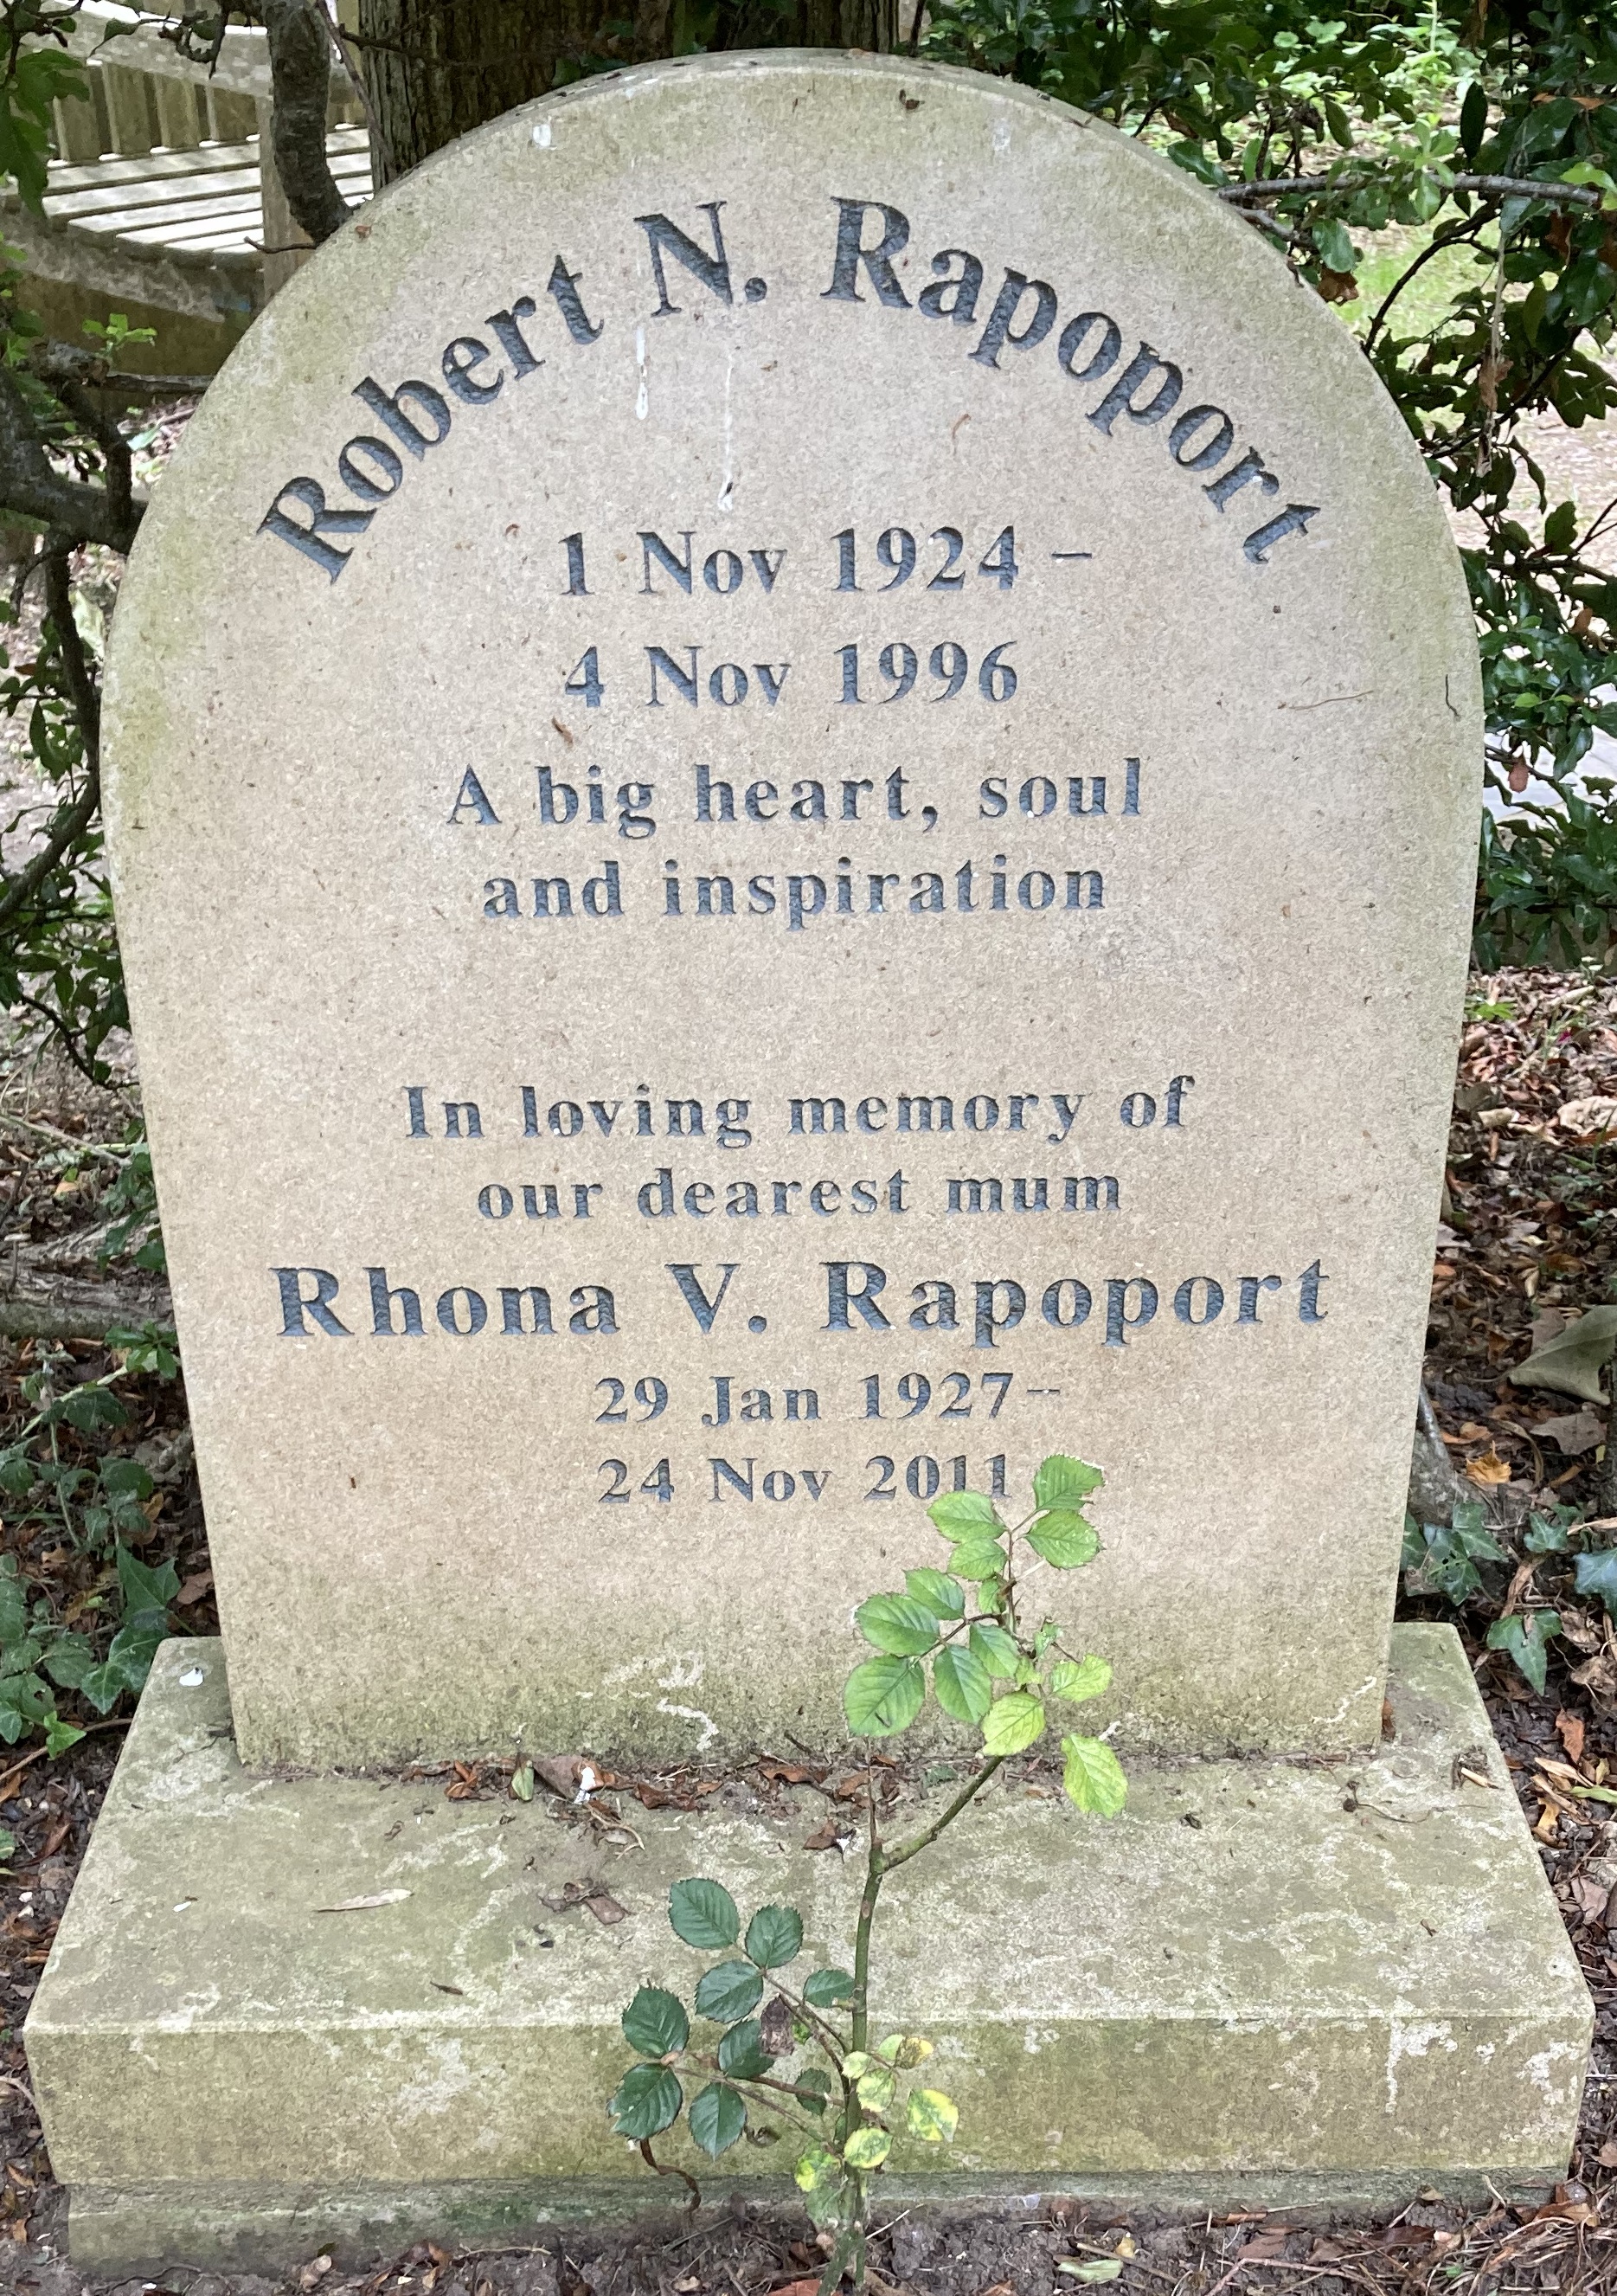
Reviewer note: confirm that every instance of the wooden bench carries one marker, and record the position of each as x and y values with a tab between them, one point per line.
163	193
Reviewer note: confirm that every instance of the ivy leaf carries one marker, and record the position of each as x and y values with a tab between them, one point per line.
1065	1540
704	1914
1013	1723
1079	1678
774	1936
897	1624
728	1993
655	2023
882	1695
69	1659
645	2101
867	2148
1061	1481
1597	1574
13	1606
932	2116
1093	1776
995	1649
718	2115
964	1686
959	1512
1526	1637
827	1987
937	1591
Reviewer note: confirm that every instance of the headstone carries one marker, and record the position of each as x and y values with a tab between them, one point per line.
793	771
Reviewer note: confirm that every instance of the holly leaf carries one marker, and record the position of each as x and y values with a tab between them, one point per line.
704	1914
882	1695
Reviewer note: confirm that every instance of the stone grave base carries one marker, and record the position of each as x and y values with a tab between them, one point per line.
1320	1984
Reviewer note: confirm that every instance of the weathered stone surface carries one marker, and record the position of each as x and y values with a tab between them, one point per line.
338	768
1349	1972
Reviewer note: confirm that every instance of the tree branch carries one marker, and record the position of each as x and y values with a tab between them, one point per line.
1491	187
71	823
31	486
300	70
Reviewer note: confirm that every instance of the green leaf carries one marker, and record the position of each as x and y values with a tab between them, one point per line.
1061	1481
1474	119
937	1591
69	1659
897	1624
821	2084
1526	1635
87	1408
1079	1678
522	1782
704	1914
815	2170
718	2115
977	1558
645	2101
145	1590
1013	1723
742	2053
957	1513
8	1845
882	1695
730	1992
1066	1541
14	1606
867	2148
932	2116
905	2050
655	2023
963	1684
875	2090
774	1936
1093	1776
1093	2272
1570	1363
59	1735
827	1987
1336	249
858	2062
128	1479
1597	1574
996	1649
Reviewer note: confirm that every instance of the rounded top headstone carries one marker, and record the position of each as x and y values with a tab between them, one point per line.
791	769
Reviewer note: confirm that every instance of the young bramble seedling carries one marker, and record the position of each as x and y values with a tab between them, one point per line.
988	1668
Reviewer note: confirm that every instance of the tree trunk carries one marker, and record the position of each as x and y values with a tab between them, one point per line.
434	68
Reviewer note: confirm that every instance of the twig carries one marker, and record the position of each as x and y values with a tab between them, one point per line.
1492	187
17	1769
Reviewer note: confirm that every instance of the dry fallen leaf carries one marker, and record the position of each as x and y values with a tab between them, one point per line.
1570	1729
1572	1431
825	1837
1490	1468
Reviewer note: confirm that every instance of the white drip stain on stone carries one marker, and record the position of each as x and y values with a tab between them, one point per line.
642	400
710	1728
